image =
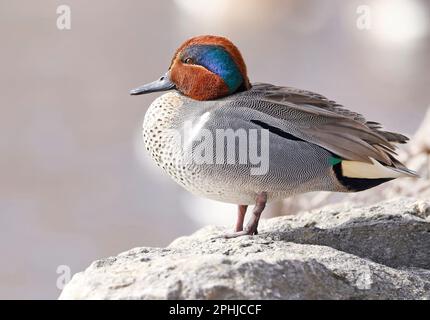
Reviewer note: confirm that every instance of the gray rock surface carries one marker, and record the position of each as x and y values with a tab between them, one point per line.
376	252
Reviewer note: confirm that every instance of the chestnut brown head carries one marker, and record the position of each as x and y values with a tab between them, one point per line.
203	68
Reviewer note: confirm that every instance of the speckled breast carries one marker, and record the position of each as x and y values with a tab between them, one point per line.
161	131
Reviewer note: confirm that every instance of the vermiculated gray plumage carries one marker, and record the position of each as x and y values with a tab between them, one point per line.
307	131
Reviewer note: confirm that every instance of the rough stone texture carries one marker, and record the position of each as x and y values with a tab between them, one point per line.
376	252
365	251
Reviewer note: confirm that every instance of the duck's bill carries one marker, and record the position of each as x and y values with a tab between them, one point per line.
162	84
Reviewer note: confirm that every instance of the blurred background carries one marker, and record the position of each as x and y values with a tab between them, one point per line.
76	184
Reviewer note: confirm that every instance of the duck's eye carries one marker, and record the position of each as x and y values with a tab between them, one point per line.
188	61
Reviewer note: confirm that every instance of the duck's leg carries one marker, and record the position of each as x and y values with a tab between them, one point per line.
252	226
241	211
260	204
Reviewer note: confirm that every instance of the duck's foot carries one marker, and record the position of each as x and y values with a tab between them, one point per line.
237	234
252	226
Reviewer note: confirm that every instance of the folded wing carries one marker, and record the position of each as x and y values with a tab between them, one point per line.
316	119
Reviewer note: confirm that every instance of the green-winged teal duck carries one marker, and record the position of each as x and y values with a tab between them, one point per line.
309	143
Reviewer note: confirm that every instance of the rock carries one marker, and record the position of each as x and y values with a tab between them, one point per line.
376	252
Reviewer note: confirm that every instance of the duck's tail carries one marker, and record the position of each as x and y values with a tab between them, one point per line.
375	170
358	176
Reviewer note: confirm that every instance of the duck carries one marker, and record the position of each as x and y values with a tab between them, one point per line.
305	141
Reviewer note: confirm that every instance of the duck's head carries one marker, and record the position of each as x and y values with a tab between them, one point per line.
203	68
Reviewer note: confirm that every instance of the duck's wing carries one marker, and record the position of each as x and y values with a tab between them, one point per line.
314	118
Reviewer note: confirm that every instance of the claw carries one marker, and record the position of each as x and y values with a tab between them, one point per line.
238	234
251	228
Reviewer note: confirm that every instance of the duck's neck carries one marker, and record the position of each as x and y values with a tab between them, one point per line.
162	113
245	86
